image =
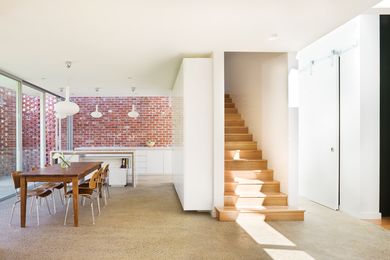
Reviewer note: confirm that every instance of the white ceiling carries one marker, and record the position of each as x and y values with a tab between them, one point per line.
108	41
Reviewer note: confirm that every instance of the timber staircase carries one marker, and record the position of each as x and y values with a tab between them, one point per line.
249	184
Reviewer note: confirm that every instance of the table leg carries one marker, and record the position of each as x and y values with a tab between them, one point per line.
75	187
23	201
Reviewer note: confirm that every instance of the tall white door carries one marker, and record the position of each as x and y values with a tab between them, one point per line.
319	133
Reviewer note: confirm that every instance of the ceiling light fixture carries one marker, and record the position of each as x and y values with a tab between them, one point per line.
66	108
133	113
96	113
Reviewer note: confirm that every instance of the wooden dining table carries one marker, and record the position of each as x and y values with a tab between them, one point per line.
76	171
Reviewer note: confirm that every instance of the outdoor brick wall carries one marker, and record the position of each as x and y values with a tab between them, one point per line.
31	130
7	131
115	128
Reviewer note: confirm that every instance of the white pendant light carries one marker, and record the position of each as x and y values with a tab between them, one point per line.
133	113
66	108
96	113
60	116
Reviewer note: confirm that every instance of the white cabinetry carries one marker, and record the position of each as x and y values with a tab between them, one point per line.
153	161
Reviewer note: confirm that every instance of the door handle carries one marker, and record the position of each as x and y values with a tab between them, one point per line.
332	149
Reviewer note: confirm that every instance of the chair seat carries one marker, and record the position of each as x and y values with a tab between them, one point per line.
82	191
52	185
38	193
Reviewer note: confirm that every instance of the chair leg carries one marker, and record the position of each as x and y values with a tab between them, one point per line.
108	191
93	215
104	196
98	202
31	206
37	207
47	204
61	198
12	213
67	209
83	203
53	199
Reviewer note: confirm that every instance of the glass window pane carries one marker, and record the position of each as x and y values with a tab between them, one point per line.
31	128
8	89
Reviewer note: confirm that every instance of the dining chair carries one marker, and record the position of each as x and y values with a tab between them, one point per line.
105	184
35	194
86	192
52	186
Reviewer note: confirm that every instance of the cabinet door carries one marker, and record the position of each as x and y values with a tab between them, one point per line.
155	162
168	162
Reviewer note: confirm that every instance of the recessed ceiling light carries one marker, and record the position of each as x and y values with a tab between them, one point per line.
273	37
383	4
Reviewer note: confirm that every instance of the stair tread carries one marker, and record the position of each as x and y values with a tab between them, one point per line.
242	181
261	209
257	194
245	160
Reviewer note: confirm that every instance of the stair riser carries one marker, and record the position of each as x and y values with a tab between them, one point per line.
230	111
245	165
230	200
245	137
228	100
240	188
230	216
253	202
227	216
240	146
285	216
234	123
232	117
229	105
244	154
264	176
236	130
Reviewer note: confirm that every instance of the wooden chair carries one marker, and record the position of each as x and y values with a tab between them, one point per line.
86	192
52	186
34	193
105	186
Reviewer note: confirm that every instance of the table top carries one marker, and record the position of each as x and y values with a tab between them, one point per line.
75	169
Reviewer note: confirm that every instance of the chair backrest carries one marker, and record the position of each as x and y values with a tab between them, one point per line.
105	171
93	182
16	179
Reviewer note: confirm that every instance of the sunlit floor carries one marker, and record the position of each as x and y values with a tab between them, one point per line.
148	223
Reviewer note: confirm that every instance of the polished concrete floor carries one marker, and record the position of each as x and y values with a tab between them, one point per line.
148	223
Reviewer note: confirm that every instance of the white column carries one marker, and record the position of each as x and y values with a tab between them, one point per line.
19	135
43	129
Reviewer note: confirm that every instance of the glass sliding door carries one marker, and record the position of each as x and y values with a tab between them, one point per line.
8	88
31	127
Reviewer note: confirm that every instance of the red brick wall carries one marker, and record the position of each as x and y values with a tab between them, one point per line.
31	130
115	128
7	131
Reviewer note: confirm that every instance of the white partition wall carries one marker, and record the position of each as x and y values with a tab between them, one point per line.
193	134
356	190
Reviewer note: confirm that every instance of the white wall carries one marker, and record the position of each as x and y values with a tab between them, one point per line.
193	134
258	83
359	110
219	123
